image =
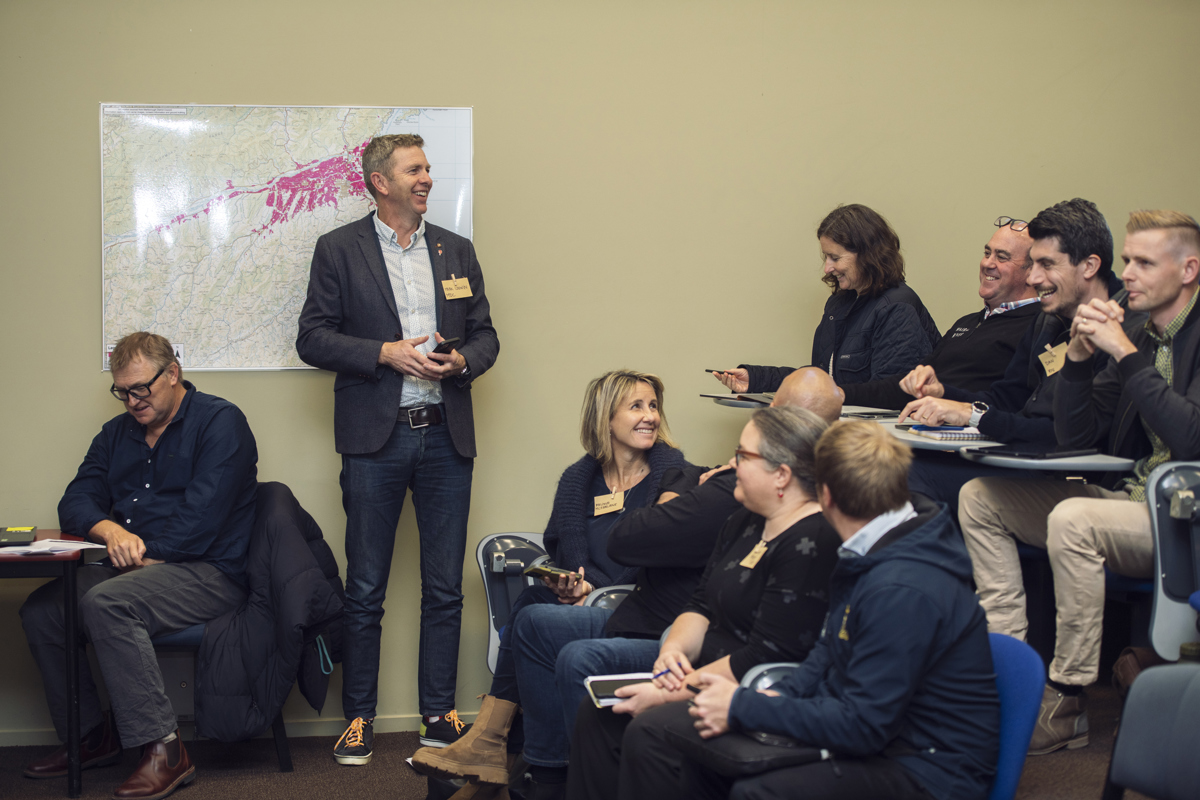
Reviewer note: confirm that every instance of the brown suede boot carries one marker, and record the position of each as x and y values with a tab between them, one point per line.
1062	722
482	752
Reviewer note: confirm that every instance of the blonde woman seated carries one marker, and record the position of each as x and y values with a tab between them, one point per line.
628	444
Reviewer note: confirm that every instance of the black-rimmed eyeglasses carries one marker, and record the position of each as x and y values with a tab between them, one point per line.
1016	224
139	392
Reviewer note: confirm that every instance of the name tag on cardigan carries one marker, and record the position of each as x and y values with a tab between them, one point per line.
456	288
608	503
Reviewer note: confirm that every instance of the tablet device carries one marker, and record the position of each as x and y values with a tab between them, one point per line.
602	688
1032	451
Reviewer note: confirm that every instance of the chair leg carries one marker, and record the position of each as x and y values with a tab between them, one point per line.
282	749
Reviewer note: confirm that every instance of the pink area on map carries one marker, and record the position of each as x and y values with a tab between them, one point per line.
313	185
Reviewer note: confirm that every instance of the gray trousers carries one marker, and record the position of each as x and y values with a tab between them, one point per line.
119	614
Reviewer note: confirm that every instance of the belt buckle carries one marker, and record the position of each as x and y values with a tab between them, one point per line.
412	411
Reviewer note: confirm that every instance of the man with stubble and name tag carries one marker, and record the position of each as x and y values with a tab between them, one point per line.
383	293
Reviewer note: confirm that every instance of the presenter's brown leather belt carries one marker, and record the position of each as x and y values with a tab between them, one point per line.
421	416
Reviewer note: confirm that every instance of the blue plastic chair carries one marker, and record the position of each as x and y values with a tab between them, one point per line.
1020	681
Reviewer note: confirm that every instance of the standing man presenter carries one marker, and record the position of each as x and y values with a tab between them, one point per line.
383	293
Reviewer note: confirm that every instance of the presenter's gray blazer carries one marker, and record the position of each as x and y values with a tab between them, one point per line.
351	311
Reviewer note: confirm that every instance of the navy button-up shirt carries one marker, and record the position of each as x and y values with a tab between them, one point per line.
190	497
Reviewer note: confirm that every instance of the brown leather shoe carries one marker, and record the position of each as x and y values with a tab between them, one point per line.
164	768
99	747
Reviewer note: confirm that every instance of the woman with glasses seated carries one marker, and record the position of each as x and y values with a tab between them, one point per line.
628	444
763	598
874	325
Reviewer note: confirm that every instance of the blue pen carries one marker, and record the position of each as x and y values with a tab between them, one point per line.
664	672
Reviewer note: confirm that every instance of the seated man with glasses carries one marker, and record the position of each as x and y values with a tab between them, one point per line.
169	488
1072	255
974	350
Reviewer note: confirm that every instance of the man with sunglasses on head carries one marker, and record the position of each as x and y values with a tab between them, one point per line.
1072	254
975	349
169	488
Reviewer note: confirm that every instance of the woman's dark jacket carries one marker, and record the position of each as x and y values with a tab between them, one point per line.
868	338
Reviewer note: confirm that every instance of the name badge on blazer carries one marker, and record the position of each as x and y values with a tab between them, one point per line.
456	288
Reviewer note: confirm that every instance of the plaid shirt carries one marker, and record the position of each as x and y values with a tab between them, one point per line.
1000	309
1163	362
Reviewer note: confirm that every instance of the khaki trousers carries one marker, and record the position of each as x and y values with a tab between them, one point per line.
1081	527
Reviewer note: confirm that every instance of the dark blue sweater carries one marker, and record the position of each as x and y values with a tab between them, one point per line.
903	667
190	498
566	536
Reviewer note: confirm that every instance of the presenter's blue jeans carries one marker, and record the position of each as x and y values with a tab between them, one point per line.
373	489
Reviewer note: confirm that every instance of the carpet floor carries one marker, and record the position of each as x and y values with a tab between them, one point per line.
250	770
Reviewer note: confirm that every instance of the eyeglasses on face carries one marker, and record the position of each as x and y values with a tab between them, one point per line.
139	392
739	454
1016	224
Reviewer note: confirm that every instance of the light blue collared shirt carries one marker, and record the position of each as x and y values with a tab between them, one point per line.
411	275
868	535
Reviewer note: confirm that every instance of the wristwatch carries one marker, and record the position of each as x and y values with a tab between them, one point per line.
978	409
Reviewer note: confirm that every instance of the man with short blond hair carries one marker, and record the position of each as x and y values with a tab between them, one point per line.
384	292
1145	406
169	488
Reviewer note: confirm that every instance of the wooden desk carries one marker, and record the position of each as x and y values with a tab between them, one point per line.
59	565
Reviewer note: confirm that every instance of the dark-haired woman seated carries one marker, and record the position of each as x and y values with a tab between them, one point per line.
874	325
624	432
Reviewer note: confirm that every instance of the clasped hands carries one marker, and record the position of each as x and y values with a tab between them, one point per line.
1097	326
403	356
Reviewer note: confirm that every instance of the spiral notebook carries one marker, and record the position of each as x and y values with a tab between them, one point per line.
948	433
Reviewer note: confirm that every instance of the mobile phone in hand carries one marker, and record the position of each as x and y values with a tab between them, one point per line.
445	347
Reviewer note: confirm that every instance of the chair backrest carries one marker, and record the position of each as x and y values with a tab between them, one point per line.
1156	745
764	676
1176	555
1020	682
502	559
610	596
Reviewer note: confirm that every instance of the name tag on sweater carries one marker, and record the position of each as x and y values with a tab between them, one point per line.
1053	359
608	503
754	556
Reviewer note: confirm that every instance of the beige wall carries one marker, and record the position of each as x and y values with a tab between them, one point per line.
649	179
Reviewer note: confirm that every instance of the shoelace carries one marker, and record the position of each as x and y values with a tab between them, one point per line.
452	718
353	737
